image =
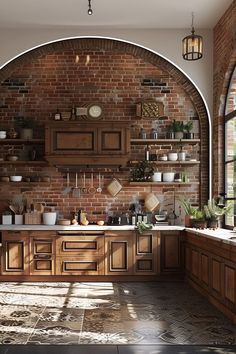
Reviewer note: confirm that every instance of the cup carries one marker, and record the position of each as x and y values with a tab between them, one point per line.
181	156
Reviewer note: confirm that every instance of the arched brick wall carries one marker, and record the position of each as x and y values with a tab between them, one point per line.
134	57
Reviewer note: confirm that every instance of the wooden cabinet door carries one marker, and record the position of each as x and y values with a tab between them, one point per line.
113	140
146	253
42	253
15	253
229	292
171	260
216	276
119	253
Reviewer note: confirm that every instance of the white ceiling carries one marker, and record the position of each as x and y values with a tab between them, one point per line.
111	13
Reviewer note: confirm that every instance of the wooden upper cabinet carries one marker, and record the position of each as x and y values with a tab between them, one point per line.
87	143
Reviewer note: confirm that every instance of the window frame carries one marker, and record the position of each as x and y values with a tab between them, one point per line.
227	117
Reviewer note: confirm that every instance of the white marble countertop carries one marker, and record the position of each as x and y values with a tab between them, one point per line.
14	227
222	235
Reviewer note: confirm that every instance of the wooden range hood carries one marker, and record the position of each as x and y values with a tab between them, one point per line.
87	143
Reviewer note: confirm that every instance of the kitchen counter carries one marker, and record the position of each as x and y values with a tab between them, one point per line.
82	228
221	235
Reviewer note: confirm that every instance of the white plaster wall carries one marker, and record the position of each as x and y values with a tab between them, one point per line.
165	42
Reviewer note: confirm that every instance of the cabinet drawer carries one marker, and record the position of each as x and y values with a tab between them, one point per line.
80	244
89	265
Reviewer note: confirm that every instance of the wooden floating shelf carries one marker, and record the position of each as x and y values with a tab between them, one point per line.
21	162
168	162
21	141
164	141
162	183
24	183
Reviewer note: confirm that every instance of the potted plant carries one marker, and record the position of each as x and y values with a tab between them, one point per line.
199	219
189	212
178	129
25	125
214	213
187	130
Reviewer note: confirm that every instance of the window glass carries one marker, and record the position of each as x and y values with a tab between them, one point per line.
231	97
230	179
230	139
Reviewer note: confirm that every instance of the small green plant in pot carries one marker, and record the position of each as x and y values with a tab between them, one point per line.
187	130
25	126
189	211
214	213
199	219
178	129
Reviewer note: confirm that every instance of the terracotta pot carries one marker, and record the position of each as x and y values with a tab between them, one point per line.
187	220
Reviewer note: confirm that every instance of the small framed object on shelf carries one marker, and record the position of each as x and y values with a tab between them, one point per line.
150	109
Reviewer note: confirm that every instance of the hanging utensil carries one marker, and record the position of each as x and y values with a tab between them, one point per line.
91	189
99	189
67	190
84	189
76	189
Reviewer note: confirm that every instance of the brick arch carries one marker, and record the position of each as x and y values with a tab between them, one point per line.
118	46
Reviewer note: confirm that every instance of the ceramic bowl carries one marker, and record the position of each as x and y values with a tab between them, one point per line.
12	157
172	156
15	178
168	176
100	222
160	217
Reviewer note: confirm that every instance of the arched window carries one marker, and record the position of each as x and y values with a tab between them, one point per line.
230	150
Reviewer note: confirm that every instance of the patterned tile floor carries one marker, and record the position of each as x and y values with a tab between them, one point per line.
109	313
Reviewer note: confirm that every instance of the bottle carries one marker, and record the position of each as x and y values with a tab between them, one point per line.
153	133
73	113
133	219
143	134
57	115
147	153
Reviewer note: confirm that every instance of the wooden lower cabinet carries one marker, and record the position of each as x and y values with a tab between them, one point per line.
119	253
171	252
211	272
80	253
146	253
15	253
42	252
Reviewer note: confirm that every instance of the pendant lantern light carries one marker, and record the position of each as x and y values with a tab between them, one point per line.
192	45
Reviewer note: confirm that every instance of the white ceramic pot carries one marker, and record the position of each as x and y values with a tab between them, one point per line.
3	134
18	219
156	177
172	156
49	218
168	176
6	219
15	178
